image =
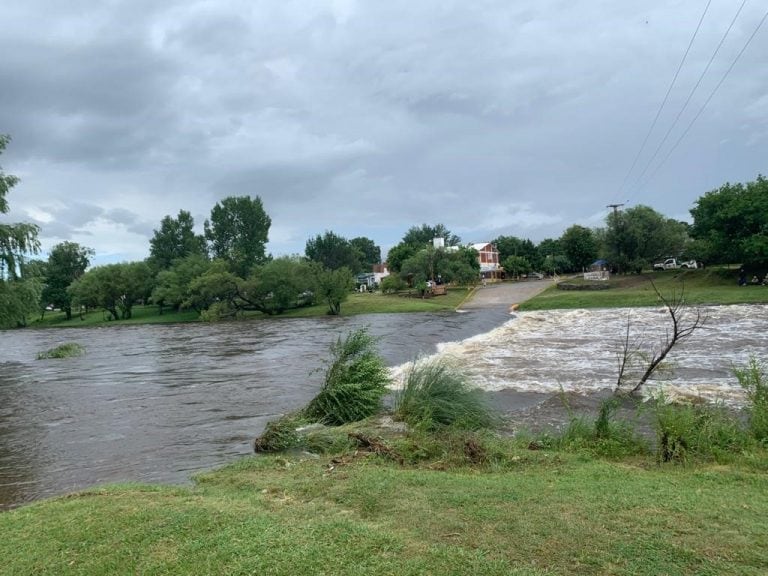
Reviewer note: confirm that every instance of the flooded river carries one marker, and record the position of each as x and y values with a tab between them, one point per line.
158	403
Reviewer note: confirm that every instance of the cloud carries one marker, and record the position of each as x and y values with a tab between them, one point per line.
365	118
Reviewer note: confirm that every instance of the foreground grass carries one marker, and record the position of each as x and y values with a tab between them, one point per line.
356	304
709	286
545	513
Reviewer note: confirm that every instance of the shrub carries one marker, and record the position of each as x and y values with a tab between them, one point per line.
604	437
68	350
436	394
754	380
687	431
392	283
355	382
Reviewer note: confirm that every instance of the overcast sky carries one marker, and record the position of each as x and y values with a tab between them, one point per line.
365	118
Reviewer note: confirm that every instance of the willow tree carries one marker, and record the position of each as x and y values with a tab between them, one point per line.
19	292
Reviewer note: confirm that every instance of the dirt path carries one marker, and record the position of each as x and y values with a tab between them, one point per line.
504	294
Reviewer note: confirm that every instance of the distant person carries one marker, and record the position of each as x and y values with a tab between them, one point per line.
755	280
742	277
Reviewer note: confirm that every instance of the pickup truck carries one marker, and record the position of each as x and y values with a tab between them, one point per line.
673	264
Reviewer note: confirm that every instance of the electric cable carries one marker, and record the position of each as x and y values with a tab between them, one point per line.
706	102
664	101
639	178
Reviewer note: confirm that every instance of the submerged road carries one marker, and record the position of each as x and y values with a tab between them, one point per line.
504	294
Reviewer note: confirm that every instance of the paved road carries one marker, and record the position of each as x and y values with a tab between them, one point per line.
505	294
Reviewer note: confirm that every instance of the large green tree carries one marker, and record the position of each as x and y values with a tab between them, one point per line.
66	263
369	251
422	235
238	231
19	291
333	287
579	246
639	235
175	239
333	252
172	286
114	287
732	223
514	246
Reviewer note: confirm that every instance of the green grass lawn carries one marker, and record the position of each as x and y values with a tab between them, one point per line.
709	286
368	303
549	513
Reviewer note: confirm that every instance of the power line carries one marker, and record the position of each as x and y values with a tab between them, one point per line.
688	99
706	102
664	101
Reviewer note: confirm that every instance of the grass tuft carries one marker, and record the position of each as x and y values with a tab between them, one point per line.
754	380
355	382
68	350
437	394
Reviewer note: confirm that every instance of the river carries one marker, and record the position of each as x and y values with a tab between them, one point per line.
159	403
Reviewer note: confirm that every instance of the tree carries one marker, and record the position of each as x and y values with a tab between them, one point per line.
516	265
238	232
732	222
513	246
636	365
579	246
115	287
333	286
175	239
19	291
371	253
333	252
172	286
398	254
639	235
422	235
66	263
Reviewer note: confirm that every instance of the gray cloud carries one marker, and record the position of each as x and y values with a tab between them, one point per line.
365	118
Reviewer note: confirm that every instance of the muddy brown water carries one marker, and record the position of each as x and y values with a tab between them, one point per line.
159	403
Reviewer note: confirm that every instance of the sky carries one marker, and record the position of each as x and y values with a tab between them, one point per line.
366	118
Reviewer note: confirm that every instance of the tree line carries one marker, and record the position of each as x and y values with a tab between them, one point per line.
226	271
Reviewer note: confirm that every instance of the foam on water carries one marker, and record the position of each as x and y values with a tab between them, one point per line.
577	350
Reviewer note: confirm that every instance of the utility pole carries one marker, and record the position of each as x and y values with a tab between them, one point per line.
616	220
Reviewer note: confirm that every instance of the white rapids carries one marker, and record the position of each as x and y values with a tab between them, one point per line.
578	350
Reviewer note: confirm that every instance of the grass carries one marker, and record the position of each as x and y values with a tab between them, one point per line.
437	394
548	513
68	350
708	286
355	381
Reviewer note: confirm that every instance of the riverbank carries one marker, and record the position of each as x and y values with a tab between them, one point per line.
711	286
508	510
357	304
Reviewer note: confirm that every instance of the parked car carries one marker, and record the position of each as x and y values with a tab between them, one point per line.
673	264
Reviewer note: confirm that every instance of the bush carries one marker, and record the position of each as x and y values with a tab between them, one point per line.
68	350
686	431
436	394
392	283
604	437
754	380
355	382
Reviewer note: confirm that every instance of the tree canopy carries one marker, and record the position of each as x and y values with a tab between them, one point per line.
333	252
66	263
175	239
732	223
238	231
19	291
